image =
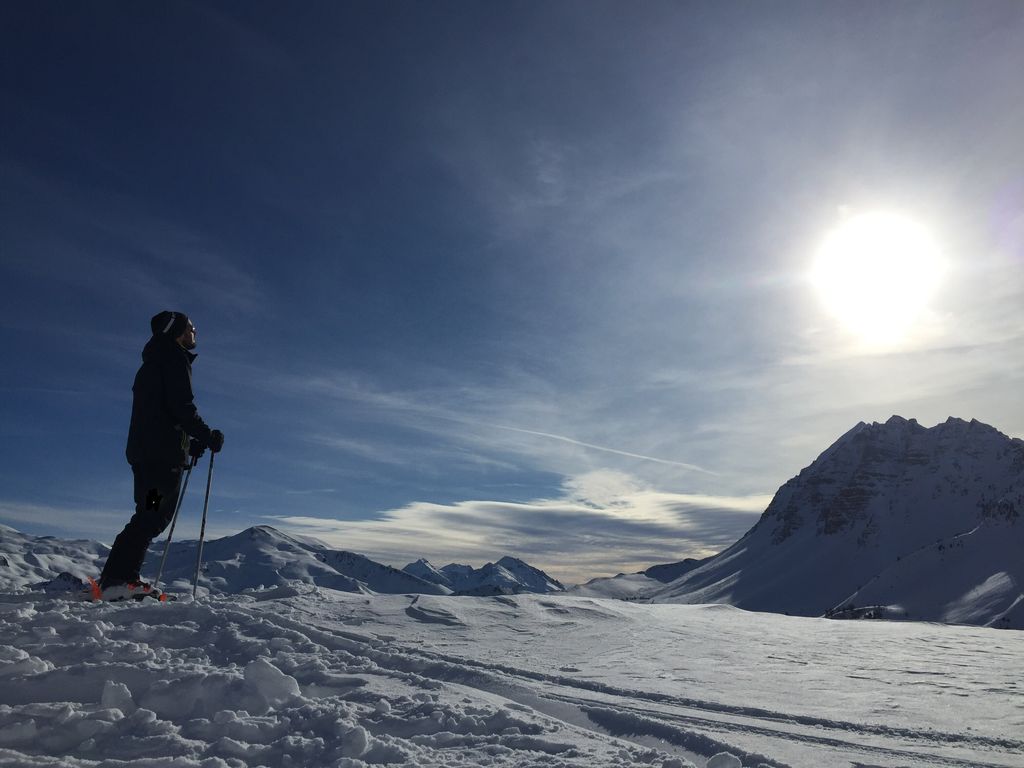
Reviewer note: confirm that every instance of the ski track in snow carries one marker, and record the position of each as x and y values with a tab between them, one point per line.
311	677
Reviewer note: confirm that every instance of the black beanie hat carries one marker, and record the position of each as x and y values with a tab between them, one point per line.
171	324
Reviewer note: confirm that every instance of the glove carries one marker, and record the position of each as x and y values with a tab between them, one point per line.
196	449
216	441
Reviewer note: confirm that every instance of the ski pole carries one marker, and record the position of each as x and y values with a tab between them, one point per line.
202	529
174	521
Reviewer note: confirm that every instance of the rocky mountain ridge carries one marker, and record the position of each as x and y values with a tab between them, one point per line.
840	489
879	494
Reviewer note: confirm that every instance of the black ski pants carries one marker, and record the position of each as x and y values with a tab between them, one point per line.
156	493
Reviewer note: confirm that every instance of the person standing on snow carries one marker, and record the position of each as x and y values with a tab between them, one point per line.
165	431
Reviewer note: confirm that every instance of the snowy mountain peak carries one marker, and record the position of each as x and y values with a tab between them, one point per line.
265	533
877	471
526	574
457	571
880	493
424	570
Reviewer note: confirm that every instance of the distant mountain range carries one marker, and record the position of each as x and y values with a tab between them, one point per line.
505	577
260	556
894	520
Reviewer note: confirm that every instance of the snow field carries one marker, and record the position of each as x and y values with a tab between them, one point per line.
217	683
308	677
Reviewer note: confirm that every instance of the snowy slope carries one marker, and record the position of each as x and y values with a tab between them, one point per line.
636	586
508	576
303	676
881	493
26	559
624	586
952	580
672	571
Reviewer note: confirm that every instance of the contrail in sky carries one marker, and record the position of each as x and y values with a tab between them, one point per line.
564	439
436	414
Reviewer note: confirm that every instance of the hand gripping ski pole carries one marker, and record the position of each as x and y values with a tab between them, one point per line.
174	520
202	529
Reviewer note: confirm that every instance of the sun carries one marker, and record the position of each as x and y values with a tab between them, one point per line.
876	273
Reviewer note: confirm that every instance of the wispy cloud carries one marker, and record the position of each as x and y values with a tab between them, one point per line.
603	523
458	413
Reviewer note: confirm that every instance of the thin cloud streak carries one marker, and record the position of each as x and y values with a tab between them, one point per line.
564	439
417	410
389	453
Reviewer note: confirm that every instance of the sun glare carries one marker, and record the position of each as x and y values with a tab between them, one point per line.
876	273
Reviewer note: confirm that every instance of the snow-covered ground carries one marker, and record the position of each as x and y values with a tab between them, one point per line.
308	676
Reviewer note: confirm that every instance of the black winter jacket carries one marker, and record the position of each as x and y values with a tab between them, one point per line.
163	412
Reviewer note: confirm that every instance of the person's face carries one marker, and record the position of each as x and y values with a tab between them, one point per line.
188	338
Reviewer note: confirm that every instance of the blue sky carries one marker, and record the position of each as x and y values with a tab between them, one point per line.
484	278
